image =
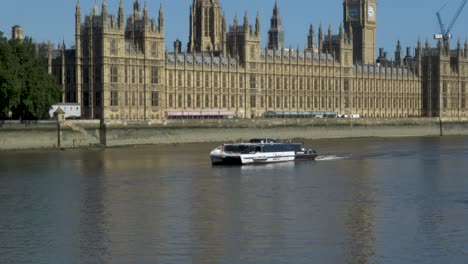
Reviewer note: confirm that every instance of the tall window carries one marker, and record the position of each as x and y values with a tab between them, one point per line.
225	80
126	74
253	101
198	84
198	101
233	82
224	101
171	100
215	81
114	98
141	75
207	101
253	81
155	98
114	73
189	80
207	80
180	101
207	23
189	101
154	75
233	101
114	47
154	50
171	79
179	79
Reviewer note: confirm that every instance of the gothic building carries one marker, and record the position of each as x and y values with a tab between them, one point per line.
120	70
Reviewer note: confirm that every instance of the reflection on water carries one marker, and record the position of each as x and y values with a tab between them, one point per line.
362	201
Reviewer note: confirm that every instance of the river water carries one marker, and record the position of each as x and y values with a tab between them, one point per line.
399	200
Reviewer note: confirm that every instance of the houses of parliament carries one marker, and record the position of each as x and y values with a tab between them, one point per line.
119	68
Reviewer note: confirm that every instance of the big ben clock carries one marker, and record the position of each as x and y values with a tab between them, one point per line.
371	13
353	12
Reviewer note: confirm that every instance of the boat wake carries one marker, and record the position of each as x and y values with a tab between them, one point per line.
329	158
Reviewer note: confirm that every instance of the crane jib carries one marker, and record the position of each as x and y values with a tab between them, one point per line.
445	31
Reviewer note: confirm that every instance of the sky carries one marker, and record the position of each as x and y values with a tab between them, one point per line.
404	20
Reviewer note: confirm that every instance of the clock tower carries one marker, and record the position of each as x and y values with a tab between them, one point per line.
361	17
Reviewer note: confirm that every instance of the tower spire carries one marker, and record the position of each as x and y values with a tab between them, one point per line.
257	24
276	32
78	8
95	9
121	18
161	19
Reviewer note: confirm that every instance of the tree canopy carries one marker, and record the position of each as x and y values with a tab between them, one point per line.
26	89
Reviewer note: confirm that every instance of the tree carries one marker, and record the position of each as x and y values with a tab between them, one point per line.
26	89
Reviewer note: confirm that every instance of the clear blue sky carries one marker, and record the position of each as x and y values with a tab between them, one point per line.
406	20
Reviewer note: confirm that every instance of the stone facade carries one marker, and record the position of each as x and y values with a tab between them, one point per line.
123	71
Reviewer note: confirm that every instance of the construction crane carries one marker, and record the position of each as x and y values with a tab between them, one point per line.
445	31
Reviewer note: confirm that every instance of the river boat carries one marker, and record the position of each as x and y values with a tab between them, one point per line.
260	151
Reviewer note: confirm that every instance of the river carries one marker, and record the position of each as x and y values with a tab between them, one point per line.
401	200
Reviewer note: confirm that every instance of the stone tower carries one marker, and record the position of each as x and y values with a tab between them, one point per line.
361	17
207	27
17	33
276	32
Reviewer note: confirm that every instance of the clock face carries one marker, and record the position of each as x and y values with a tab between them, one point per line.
371	13
353	12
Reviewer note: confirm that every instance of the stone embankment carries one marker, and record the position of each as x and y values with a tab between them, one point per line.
92	133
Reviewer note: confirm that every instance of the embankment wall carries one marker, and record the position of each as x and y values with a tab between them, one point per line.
83	133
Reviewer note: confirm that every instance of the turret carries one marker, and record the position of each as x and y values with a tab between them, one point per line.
104	8
311	38
121	17
236	22
136	7
320	38
95	9
161	19
398	54
104	13
276	31
341	35
177	47
246	23
145	15
350	33
419	50
78	18
439	47
257	25
49	58
459	49
447	48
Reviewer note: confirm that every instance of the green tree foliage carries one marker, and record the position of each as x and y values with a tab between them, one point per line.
26	89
